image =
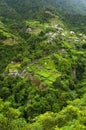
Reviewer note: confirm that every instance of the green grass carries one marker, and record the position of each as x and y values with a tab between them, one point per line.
47	73
44	73
14	67
36	26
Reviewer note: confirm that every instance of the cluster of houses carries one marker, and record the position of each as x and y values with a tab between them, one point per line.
15	73
51	36
70	35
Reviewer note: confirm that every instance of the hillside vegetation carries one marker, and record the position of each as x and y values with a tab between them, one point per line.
42	69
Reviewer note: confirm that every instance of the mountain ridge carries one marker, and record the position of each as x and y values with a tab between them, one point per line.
68	6
27	7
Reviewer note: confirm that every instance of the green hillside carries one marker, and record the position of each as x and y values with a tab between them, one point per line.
72	12
42	68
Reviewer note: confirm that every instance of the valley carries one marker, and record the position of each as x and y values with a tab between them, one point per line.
42	66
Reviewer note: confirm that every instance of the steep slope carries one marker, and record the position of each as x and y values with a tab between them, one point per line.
27	8
44	72
72	12
6	11
42	68
72	6
66	6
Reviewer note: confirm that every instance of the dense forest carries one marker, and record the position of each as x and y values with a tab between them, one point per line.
42	65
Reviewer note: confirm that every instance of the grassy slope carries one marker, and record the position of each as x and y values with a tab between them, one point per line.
48	60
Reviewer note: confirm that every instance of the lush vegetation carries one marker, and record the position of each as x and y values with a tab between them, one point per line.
42	70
